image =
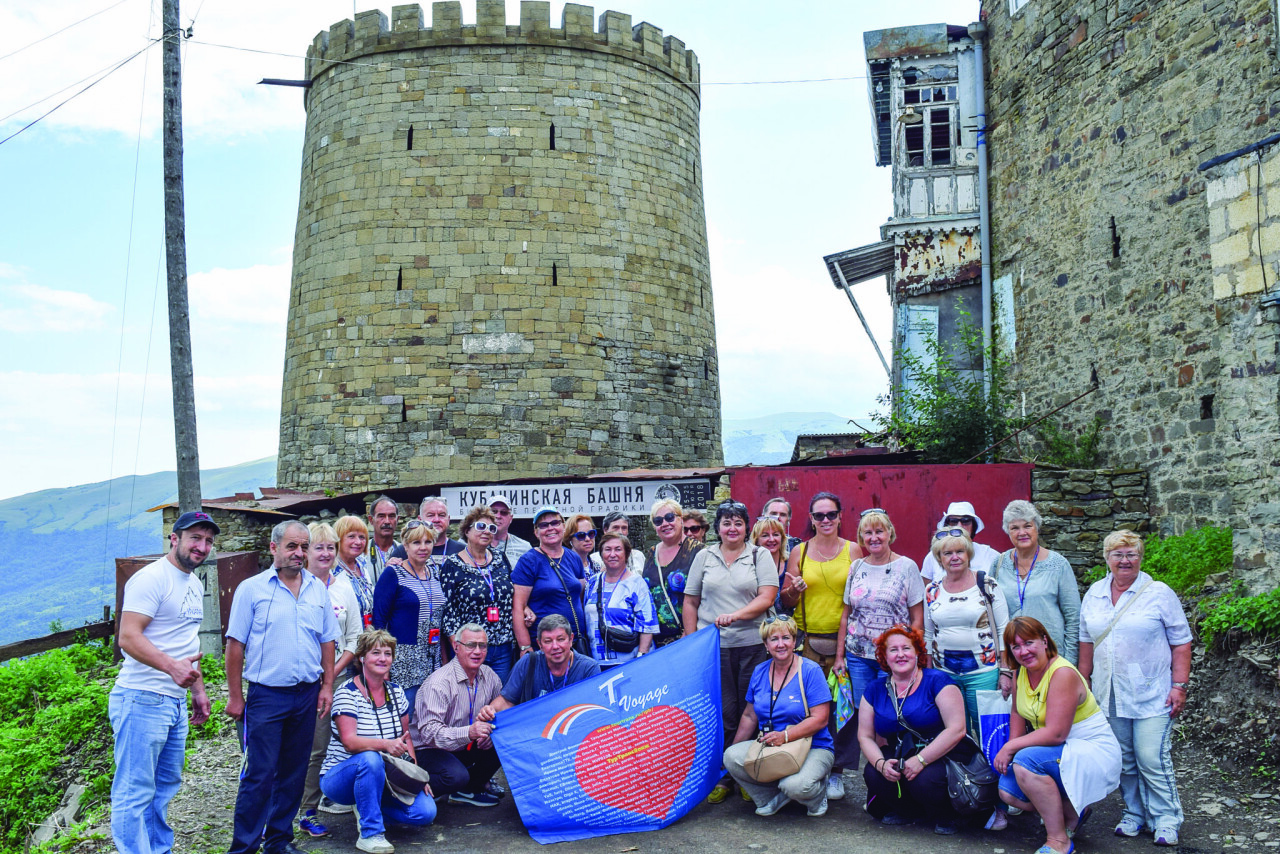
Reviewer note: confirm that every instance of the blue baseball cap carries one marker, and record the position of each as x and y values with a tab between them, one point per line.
190	520
543	511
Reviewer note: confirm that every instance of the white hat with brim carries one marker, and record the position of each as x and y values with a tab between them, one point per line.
960	508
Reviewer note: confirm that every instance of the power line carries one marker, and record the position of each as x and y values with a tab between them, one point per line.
112	70
63	30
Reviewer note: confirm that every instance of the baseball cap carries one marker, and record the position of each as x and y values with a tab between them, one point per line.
188	520
499	499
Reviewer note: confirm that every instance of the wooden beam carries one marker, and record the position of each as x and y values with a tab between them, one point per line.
57	640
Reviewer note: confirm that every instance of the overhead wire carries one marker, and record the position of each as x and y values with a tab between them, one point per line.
63	30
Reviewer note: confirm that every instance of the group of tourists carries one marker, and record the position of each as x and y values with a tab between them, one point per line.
406	650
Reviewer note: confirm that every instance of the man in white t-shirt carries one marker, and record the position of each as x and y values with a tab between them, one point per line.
159	626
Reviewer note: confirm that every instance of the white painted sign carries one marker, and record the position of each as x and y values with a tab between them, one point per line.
595	498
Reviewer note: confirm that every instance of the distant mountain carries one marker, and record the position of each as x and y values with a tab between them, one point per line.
58	559
770	439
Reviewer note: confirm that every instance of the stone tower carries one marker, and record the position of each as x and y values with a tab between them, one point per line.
500	266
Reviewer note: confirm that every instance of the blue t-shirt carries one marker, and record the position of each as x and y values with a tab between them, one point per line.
788	709
920	710
548	593
531	678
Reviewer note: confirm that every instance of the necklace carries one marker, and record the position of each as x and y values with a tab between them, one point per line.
900	699
825	559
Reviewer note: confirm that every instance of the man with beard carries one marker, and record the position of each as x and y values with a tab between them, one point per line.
450	740
384	517
159	626
280	637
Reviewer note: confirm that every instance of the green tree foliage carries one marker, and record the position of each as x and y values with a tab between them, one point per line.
945	413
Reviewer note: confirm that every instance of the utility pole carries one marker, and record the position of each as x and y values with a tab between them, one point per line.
175	249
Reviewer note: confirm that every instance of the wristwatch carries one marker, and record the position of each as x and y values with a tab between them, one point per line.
1182	685
525	647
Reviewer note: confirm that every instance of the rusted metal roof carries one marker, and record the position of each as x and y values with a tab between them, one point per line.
653	474
861	264
918	40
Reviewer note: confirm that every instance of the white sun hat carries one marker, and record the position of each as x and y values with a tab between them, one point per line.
960	508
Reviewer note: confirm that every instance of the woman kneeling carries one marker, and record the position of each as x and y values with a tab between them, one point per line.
914	706
787	699
370	716
1062	755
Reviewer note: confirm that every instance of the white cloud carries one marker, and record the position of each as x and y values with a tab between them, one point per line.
256	295
36	309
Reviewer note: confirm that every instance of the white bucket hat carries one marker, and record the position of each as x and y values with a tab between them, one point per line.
960	508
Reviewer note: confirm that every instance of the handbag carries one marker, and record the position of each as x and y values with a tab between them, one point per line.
614	639
767	763
972	784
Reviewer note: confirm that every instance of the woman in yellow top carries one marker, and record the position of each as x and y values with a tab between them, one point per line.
814	590
1062	755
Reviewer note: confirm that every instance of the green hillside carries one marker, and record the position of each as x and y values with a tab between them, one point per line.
60	545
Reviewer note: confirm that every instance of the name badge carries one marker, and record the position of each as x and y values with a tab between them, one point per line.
433	636
492	614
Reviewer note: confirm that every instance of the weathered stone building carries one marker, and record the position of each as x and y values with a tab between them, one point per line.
500	266
1122	248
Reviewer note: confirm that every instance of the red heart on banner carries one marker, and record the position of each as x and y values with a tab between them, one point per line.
639	768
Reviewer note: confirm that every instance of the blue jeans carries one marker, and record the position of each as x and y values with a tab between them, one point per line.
499	658
862	672
1146	771
970	684
361	780
1041	760
150	739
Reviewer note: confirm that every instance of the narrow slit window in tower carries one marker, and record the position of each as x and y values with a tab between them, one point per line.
409	146
400	278
553	136
555	276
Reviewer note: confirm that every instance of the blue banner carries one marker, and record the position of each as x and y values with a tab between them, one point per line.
632	749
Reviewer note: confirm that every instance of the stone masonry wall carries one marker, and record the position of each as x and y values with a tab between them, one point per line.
1100	113
1081	506
500	266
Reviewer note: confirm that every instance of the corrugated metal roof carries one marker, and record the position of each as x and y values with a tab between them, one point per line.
861	264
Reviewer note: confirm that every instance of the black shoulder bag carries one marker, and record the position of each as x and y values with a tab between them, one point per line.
580	641
615	639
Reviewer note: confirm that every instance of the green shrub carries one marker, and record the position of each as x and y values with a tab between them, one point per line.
53	707
1186	560
1067	449
1257	616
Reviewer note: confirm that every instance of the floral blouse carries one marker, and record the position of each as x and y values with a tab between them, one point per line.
470	591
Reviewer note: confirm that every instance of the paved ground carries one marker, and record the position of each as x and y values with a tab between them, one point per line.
734	827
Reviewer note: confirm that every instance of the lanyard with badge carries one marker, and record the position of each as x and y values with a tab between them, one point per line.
491	613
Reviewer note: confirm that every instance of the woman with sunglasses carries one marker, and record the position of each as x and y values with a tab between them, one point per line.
549	579
883	589
580	535
960	514
732	584
666	567
813	589
695	525
477	588
408	603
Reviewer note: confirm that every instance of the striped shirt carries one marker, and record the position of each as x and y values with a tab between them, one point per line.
446	707
371	721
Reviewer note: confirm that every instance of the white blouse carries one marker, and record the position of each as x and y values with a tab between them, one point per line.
1134	663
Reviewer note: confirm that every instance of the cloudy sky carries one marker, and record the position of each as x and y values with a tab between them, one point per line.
788	178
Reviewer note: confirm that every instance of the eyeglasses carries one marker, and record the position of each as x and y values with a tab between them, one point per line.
829	516
959	520
950	532
871	510
500	511
482	527
1124	556
585	535
665	517
554	523
474	644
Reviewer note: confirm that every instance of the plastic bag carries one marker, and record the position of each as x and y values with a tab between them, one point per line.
842	691
993	722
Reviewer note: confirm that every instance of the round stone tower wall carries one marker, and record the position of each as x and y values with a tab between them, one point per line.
500	267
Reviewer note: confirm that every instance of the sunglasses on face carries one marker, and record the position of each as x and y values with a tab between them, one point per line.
871	510
693	529
665	517
500	511
482	527
959	520
828	516
542	526
585	535
950	532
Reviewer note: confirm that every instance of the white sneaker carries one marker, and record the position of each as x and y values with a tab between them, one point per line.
330	807
835	787
776	803
820	809
375	844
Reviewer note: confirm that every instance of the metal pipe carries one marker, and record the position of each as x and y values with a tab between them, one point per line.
849	293
978	32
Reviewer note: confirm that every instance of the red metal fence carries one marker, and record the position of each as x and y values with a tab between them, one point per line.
915	496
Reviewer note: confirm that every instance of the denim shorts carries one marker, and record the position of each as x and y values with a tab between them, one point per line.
1042	760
